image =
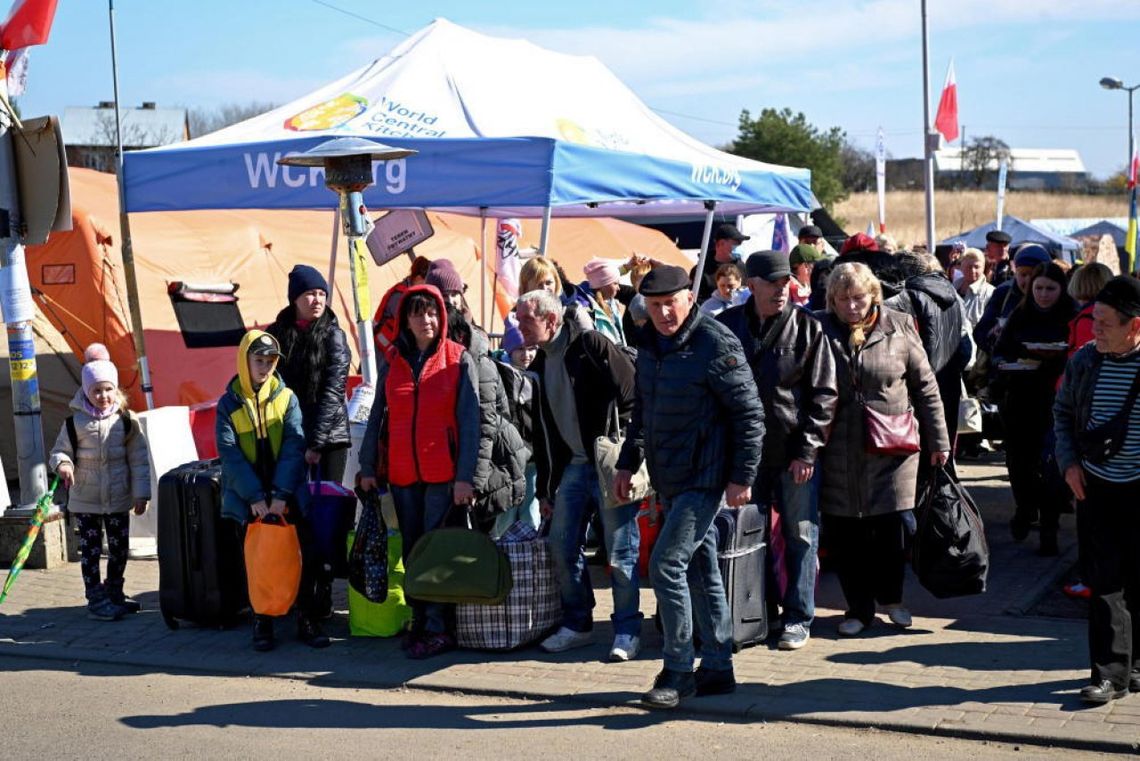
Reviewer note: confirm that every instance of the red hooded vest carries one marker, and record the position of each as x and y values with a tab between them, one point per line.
422	436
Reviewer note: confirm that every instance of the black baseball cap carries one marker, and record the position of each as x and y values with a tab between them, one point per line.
769	265
998	236
810	231
265	345
663	281
729	232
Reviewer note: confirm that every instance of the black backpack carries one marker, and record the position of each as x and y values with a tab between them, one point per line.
73	435
950	557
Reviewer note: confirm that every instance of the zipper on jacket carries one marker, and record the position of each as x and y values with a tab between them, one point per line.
415	414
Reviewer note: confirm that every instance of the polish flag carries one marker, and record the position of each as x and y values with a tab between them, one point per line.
28	23
946	122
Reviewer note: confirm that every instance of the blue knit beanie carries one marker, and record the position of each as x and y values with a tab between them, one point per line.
304	278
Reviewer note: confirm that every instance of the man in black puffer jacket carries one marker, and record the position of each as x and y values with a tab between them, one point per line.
698	422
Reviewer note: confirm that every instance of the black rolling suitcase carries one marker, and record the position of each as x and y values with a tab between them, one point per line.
201	571
741	546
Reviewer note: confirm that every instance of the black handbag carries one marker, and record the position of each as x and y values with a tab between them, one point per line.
1105	441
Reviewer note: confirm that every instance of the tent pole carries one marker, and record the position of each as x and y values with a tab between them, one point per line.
332	253
483	265
127	248
544	238
706	236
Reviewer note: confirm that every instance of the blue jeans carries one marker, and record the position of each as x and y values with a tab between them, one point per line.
686	579
421	508
798	506
576	500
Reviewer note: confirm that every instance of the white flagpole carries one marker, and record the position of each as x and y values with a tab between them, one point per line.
1003	170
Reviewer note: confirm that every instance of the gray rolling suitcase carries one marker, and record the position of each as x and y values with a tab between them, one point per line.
741	546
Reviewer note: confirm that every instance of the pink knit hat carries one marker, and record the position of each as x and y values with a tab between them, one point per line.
97	371
601	272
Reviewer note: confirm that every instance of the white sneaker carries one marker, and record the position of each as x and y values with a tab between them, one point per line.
849	627
566	639
626	647
899	616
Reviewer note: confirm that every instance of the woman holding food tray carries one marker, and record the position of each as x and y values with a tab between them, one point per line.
1030	357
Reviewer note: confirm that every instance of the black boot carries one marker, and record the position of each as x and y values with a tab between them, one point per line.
322	600
263	640
309	632
711	682
668	689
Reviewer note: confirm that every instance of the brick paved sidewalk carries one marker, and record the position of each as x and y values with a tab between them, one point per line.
967	667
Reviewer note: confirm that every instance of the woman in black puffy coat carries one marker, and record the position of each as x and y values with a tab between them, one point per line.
1030	356
315	367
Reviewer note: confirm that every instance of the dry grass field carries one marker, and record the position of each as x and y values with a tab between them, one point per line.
957	211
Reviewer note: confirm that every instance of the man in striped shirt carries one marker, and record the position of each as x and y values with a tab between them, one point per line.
1097	423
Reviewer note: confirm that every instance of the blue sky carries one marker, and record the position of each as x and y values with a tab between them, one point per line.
1027	70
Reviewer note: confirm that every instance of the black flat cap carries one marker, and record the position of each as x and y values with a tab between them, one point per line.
1122	293
810	231
729	232
662	281
769	265
998	236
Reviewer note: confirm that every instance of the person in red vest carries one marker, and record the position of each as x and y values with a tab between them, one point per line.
423	439
386	318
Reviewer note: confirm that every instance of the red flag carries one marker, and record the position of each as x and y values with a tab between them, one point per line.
1133	167
29	23
946	121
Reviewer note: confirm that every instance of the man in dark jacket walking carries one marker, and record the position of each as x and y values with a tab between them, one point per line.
585	384
795	376
698	423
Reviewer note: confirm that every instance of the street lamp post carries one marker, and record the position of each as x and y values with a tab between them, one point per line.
347	162
1112	83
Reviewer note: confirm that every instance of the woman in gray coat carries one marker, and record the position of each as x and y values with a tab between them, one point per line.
864	494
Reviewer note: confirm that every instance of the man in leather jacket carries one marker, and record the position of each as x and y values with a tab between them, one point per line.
795	375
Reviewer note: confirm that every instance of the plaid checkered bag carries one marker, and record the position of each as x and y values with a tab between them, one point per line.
533	606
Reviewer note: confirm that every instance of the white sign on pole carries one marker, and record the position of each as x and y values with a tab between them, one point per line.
396	232
1003	170
881	178
16	303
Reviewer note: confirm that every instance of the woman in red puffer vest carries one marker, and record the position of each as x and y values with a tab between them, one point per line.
423	439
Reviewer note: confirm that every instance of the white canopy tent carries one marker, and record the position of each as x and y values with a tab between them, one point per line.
503	128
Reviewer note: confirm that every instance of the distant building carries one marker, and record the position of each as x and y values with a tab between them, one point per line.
89	133
1029	169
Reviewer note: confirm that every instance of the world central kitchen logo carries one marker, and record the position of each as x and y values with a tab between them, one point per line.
710	174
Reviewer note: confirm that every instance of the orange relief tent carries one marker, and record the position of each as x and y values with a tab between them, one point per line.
78	278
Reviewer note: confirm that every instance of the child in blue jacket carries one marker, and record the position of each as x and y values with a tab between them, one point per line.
262	447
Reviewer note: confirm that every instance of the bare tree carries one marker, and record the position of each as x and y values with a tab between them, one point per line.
206	120
981	158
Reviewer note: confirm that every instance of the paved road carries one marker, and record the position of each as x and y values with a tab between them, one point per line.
972	667
97	711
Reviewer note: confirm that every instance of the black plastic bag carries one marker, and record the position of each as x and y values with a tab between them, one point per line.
951	557
368	558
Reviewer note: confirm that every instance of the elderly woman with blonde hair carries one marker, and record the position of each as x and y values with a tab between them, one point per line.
889	408
541	274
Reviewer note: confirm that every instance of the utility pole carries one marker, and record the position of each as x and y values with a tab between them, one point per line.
930	145
18	312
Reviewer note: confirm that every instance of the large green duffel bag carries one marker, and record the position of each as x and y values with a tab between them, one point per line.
454	565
